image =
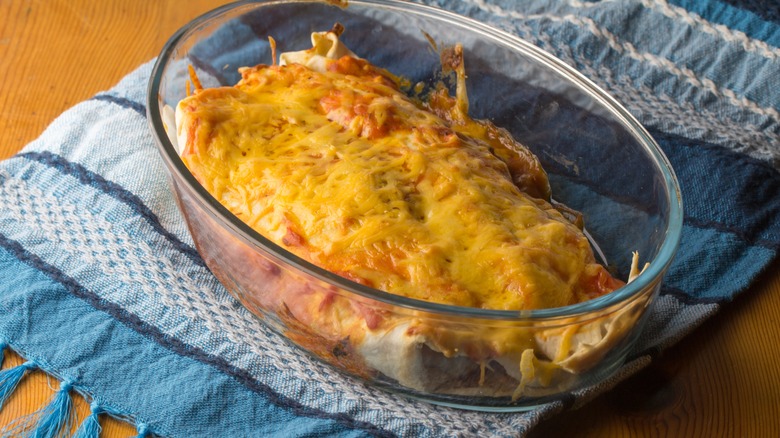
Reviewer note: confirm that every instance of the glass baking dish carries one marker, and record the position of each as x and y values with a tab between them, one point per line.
599	159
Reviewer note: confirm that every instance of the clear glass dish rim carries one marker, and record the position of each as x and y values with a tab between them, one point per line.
653	273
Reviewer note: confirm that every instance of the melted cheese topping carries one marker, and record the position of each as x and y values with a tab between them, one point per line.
340	167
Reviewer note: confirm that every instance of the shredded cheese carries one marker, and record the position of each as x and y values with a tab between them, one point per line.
347	171
325	155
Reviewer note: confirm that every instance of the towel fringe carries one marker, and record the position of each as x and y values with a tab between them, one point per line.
10	378
90	427
57	418
52	421
143	430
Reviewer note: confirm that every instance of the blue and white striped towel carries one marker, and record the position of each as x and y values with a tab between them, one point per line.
102	287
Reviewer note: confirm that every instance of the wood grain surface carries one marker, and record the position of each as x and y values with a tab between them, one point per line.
722	380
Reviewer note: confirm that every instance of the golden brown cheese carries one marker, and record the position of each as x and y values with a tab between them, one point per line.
327	157
343	169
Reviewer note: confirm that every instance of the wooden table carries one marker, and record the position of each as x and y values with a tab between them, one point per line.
722	380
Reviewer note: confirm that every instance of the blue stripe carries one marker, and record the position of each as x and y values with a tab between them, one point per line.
177	346
722	190
749	237
711	265
121	101
743	20
92	179
208	68
726	191
687	299
768	10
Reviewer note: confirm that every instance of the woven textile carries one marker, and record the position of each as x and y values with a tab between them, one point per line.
103	289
